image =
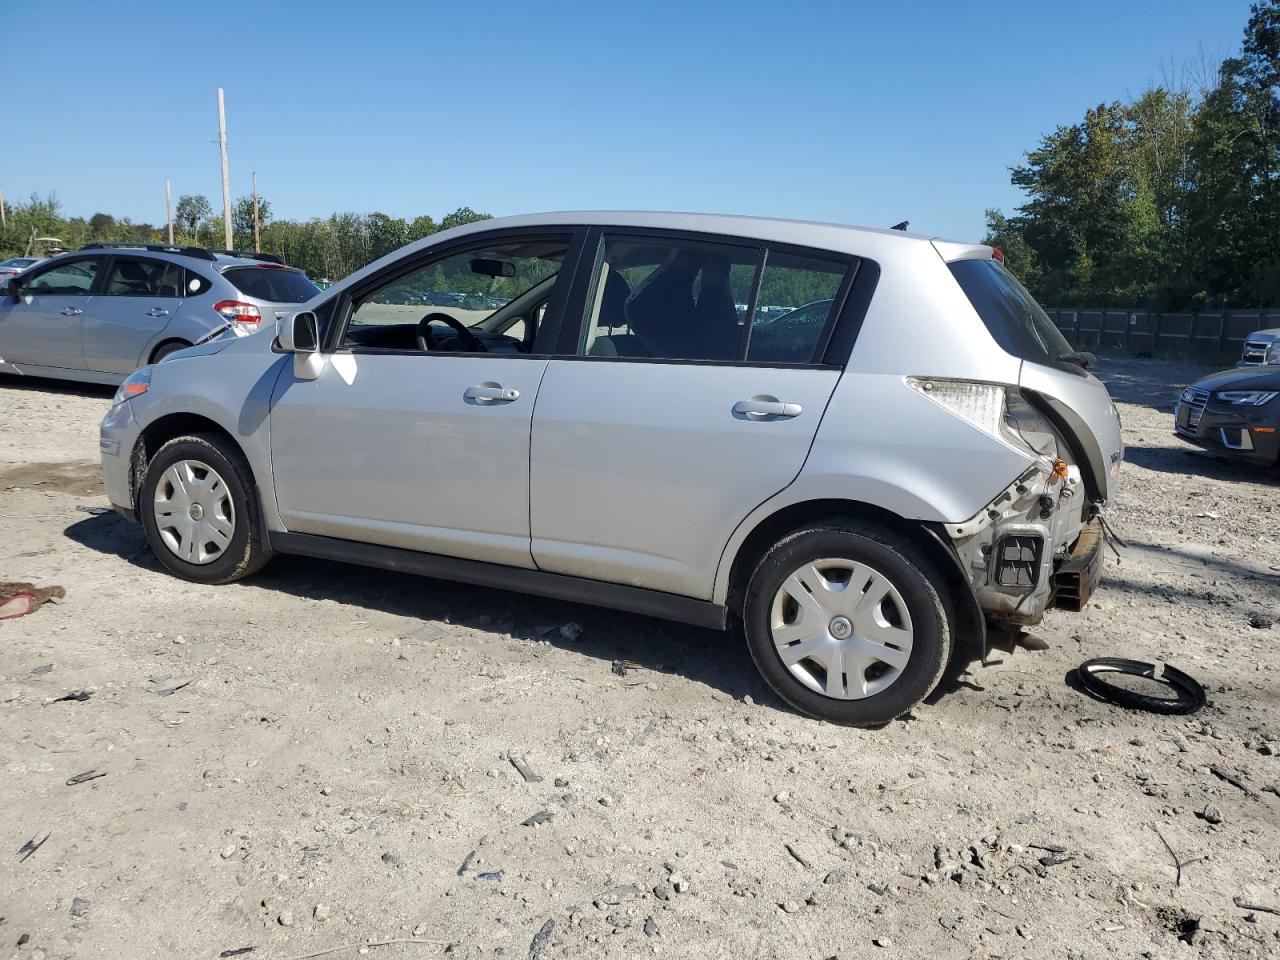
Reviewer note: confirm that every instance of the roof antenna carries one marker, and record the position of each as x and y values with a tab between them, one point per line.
901	226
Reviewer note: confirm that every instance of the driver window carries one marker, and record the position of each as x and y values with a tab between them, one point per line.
486	299
73	279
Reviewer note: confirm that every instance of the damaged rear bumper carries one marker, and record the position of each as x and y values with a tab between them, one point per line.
1032	548
1075	580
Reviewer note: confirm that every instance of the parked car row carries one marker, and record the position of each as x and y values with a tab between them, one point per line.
616	433
99	313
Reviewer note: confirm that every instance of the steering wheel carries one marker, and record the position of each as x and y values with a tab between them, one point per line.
427	339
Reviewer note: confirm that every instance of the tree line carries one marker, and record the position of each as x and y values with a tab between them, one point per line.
326	248
1170	200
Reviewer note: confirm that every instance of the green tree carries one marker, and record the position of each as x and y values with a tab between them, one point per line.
242	220
192	211
460	216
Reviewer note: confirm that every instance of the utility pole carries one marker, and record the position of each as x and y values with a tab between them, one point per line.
4	224
226	178
257	225
168	208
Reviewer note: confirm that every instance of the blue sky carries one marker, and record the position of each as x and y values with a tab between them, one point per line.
852	112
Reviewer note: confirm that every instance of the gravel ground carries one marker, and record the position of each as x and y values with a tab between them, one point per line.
340	765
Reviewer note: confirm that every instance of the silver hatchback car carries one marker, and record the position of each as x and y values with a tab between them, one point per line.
98	314
860	495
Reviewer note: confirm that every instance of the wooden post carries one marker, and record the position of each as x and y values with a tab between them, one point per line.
226	178
1155	334
168	208
257	225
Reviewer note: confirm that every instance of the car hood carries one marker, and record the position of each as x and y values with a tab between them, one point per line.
1264	336
1246	378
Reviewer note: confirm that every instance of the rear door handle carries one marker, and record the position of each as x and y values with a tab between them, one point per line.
766	407
157	312
490	392
72	312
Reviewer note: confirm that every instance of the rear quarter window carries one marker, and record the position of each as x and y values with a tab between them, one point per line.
1016	322
272	285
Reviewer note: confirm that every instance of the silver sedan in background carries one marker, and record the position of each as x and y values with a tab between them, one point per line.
101	312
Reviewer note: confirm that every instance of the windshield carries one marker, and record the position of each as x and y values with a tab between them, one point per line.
1015	320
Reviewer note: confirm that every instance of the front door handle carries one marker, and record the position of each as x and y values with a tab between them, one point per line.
72	312
766	407
157	312
490	392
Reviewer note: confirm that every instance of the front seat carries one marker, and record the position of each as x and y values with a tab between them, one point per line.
613	313
715	318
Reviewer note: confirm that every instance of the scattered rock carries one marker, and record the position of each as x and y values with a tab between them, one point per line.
79	908
285	919
650	928
391	860
1210	814
542	816
790	906
882	941
229	851
621	894
320	913
1260	621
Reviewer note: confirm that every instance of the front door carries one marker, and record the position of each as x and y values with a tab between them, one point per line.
140	297
416	432
680	411
43	327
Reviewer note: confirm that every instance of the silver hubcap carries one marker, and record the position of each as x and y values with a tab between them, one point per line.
841	628
194	512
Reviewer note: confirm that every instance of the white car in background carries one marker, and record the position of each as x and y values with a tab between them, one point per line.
15	265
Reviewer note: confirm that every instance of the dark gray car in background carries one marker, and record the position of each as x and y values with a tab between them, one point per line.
98	314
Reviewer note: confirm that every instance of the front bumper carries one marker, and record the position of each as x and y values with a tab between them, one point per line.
1250	434
117	436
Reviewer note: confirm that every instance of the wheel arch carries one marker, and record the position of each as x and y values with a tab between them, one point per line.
164	342
165	428
969	625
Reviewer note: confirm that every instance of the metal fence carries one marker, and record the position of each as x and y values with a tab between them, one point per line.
1209	335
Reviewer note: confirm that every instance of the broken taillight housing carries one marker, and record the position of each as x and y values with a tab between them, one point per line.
237	311
998	410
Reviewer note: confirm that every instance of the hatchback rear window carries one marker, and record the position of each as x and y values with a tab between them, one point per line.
272	284
1015	320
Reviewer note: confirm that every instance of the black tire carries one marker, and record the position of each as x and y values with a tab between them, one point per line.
915	578
245	552
162	351
1189	695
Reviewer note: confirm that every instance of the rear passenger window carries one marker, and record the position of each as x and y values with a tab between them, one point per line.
678	300
797	298
144	278
696	300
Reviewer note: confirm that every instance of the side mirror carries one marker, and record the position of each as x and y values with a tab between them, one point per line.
298	333
1082	358
15	288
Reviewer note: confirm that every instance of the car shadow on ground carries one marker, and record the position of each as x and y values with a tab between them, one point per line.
641	646
67	387
638	645
1187	459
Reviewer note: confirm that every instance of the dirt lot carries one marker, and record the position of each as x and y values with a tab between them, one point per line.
336	769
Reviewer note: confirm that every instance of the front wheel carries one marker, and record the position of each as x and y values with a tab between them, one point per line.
847	622
199	509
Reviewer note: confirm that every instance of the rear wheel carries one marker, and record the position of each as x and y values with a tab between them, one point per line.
199	507
162	351
847	622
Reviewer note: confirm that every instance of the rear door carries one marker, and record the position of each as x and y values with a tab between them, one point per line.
671	412
43	327
140	297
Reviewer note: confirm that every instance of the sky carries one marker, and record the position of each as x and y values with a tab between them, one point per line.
866	113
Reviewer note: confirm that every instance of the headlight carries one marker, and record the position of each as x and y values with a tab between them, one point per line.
1247	398
135	385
